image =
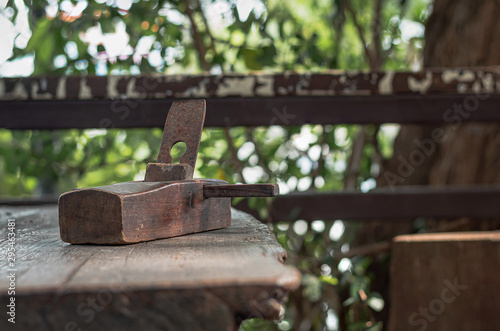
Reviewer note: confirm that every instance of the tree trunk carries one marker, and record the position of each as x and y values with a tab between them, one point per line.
464	33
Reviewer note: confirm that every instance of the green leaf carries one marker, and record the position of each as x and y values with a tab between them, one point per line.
334	281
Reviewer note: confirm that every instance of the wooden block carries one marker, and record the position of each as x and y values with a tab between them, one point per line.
132	212
447	281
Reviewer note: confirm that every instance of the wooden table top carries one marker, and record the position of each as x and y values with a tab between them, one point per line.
209	280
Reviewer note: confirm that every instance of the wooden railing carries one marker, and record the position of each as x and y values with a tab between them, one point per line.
427	97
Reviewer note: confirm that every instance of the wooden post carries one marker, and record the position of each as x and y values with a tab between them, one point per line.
446	281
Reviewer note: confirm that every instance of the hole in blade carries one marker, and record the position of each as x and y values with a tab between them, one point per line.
177	151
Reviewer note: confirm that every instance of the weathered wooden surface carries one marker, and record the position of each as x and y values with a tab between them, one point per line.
132	212
430	81
447	281
204	281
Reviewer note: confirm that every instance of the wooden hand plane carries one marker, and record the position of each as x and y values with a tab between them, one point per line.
168	203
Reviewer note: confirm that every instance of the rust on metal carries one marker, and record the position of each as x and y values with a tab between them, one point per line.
162	172
184	124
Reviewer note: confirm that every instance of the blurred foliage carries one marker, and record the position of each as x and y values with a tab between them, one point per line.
227	36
